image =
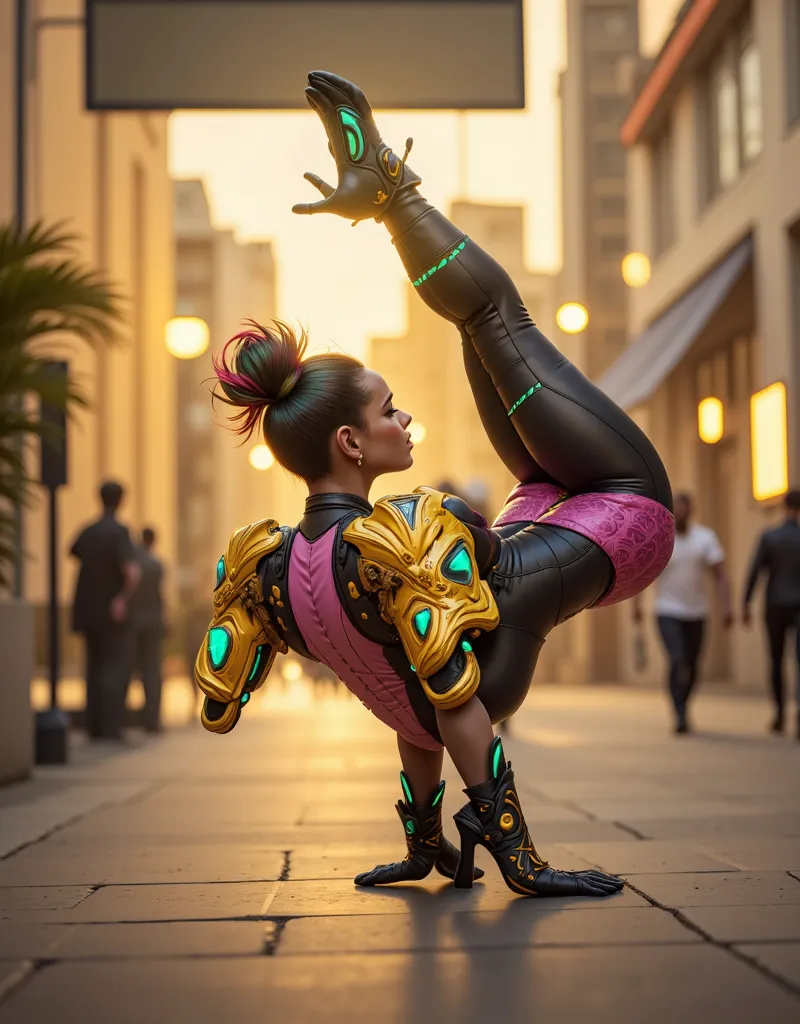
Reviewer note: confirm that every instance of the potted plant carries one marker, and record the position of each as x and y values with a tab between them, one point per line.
47	298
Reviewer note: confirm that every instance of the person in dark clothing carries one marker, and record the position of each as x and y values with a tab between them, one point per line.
149	628
108	576
778	552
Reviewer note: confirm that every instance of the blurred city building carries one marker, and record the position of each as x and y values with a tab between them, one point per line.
224	283
104	175
425	371
596	90
714	202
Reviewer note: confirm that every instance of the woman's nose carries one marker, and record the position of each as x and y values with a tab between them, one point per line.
405	419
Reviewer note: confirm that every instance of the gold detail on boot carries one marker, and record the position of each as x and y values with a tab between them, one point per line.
352	589
506	822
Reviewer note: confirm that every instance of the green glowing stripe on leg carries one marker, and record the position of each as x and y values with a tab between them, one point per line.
439	794
528	393
442	263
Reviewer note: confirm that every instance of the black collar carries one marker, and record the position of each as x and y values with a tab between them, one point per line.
324	510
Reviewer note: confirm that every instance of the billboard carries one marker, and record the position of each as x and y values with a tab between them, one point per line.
255	54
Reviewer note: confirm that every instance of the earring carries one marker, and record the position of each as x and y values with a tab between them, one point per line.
360	460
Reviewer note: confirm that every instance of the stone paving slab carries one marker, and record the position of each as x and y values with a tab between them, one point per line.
165	939
649	856
767	853
330	898
633	811
782	959
658	984
125	903
14	899
190	862
517	925
742	889
31	941
747	923
715	826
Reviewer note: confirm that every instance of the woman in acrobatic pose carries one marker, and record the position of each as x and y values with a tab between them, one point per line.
434	619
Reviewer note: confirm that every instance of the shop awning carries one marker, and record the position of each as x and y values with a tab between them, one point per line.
651	358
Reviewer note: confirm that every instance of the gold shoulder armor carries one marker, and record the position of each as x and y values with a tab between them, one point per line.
420	560
241	643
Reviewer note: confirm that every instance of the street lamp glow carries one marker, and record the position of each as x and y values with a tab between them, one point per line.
572	317
636	270
418	432
710	420
261	457
292	670
186	337
769	448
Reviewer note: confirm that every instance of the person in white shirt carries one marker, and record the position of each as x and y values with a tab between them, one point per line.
682	604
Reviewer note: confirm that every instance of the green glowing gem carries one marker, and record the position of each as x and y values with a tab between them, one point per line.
257	662
439	795
219	646
220	571
353	133
413	669
459	567
411	828
466	646
245	698
422	622
442	264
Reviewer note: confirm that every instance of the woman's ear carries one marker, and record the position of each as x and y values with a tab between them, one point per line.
347	443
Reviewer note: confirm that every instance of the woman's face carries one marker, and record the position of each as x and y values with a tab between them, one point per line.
386	444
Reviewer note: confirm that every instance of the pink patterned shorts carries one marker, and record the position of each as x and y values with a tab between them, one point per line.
636	533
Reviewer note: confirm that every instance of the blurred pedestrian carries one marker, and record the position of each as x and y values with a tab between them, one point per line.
149	628
682	605
778	552
108	576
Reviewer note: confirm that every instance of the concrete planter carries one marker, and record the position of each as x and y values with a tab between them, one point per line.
16	671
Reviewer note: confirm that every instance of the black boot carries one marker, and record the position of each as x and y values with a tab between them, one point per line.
427	847
493	817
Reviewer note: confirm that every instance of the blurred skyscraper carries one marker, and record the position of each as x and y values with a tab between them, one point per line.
104	175
596	90
714	203
224	283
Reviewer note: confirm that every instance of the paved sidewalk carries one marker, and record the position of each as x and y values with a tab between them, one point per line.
195	878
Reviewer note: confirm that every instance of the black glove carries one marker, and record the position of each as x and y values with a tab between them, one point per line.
370	174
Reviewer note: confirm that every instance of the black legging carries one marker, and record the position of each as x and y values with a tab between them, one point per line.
566	430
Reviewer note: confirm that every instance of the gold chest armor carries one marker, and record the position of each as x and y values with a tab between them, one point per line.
420	560
241	643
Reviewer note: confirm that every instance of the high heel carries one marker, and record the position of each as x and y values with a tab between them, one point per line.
426	846
466	861
493	817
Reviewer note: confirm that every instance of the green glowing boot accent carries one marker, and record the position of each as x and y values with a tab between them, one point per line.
219	646
466	646
422	622
220	572
528	393
426	847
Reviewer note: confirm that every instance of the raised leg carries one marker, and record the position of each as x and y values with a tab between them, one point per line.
571	429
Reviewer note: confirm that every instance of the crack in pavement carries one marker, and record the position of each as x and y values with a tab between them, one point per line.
707	937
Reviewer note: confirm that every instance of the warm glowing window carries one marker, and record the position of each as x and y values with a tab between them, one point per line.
768	442
710	420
